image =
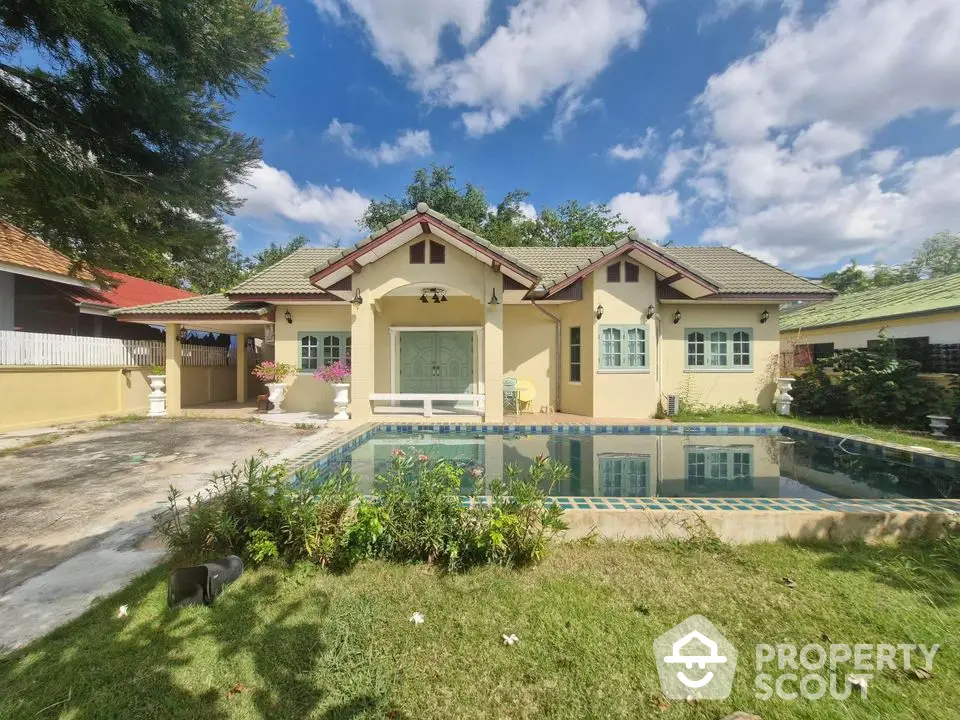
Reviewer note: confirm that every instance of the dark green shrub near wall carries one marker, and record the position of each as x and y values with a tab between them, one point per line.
872	385
416	514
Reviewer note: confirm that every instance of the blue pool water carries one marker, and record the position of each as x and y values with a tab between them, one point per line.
607	464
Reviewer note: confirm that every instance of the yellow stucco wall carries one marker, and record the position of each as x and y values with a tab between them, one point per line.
713	388
625	394
39	396
529	347
306	394
577	398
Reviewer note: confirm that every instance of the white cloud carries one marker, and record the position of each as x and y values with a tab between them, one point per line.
791	129
270	192
883	161
651	215
860	65
569	107
546	49
954	119
406	35
675	163
637	151
409	144
528	210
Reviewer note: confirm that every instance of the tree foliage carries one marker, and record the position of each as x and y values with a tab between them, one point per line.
115	145
937	257
505	224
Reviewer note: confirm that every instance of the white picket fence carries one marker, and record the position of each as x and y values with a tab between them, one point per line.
20	348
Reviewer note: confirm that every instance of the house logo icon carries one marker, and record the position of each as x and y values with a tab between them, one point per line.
695	660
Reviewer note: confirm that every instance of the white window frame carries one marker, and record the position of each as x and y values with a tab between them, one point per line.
623	346
321	337
632	470
717	353
715	464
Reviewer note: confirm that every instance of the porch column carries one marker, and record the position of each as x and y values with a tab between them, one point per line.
242	367
361	359
174	359
493	350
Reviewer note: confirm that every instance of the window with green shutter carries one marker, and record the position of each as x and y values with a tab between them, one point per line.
719	349
623	348
320	348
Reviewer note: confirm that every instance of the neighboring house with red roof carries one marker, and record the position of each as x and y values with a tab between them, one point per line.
42	290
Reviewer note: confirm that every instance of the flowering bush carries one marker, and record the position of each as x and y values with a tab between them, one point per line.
334	373
274	372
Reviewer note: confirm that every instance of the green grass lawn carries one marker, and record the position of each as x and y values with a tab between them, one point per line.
844	427
306	643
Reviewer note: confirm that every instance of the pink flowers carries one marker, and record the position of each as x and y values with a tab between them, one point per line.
274	372
423	458
334	373
476	472
398	453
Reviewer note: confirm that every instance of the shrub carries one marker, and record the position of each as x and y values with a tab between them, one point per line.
254	511
416	514
871	385
814	394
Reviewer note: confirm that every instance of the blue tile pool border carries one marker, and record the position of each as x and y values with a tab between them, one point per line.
337	448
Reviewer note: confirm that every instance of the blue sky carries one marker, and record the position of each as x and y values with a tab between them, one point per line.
805	133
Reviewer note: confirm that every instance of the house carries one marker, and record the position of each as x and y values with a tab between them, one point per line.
425	307
922	318
43	291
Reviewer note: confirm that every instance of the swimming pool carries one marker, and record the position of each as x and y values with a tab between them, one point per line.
670	461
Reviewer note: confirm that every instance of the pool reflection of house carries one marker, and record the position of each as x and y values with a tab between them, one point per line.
604	465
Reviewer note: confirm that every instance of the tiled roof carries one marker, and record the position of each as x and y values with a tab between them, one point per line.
24	250
422	209
924	296
733	271
737	273
129	291
197	305
289	276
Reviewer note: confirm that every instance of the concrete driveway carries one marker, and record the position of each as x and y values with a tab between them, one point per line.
74	512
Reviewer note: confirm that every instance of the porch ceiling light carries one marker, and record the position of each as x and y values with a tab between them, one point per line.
764	316
443	296
357	300
676	317
436	297
651	310
288	317
493	297
423	296
599	311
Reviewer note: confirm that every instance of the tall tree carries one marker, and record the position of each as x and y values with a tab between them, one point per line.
938	256
115	145
848	279
504	224
274	253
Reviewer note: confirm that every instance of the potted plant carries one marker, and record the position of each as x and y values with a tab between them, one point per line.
158	398
336	374
274	375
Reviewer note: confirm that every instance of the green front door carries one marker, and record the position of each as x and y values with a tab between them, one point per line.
436	362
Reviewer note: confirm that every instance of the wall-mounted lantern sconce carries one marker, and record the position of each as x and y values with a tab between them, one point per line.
288	317
676	317
493	298
764	316
357	300
182	335
651	311
423	296
599	311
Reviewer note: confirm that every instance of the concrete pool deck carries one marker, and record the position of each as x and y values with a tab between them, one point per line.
76	512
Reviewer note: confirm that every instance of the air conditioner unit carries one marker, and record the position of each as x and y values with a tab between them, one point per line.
673	404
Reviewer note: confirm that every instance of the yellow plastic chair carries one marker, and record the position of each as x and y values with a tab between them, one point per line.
526	392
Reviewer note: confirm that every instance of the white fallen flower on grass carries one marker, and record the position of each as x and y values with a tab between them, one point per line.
510	639
122	612
417	618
